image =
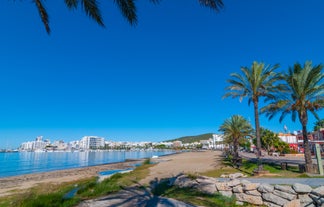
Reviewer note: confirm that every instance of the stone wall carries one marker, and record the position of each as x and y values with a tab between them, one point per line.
254	193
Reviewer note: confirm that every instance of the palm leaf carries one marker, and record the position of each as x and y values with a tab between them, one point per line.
43	14
128	9
91	8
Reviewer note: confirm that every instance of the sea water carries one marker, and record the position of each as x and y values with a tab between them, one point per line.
20	163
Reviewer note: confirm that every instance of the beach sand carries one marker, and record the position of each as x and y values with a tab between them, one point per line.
167	166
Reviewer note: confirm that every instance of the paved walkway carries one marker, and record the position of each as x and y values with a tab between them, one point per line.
314	182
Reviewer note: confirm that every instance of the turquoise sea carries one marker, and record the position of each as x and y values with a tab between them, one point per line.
20	163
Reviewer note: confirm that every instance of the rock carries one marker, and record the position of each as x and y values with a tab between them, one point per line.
305	200
234	182
205	179
270	204
318	191
285	195
250	186
301	188
243	182
183	181
265	188
223	187
239	203
255	200
253	192
226	193
238	189
274	199
293	203
207	188
224	176
285	188
235	176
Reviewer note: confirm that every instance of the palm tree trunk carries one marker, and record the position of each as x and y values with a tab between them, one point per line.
235	157
307	151
257	133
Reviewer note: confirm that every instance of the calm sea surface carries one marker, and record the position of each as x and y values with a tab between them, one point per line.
32	162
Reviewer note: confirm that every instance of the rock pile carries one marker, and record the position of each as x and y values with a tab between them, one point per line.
254	193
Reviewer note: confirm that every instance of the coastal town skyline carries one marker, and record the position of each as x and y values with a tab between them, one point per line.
162	79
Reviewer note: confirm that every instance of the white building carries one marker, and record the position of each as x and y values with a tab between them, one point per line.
218	141
92	142
38	144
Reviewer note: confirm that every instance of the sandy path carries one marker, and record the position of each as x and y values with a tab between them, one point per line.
189	162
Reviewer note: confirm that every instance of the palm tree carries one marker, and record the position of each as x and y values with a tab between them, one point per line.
258	81
127	8
235	129
304	94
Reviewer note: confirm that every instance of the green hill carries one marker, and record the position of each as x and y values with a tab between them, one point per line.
190	139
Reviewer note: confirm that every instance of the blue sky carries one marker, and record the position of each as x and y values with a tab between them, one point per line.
162	79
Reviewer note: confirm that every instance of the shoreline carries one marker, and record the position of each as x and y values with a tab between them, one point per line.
13	184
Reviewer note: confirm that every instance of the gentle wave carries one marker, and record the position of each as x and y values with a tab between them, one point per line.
33	162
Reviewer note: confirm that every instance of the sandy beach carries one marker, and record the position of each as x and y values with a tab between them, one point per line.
167	166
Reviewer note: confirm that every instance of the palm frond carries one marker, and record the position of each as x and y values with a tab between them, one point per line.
91	8
71	4
128	9
216	5
43	14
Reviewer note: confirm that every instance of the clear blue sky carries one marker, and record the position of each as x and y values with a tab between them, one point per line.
162	79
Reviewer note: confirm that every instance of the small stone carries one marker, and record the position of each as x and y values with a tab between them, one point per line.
269	204
223	187
256	200
305	199
274	199
285	188
235	176
265	188
244	182
234	182
224	176
250	186
301	188
226	193
285	195
293	203
318	191
253	192
238	189
239	203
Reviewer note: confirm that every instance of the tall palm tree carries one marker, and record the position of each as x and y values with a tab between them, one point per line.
258	81
305	89
127	8
235	128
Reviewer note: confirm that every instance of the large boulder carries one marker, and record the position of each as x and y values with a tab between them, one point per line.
274	199
255	200
226	193
265	188
238	189
305	200
269	204
302	188
207	188
236	175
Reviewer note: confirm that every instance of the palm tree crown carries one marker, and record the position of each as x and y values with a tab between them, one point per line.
235	129
304	93
127	8
258	81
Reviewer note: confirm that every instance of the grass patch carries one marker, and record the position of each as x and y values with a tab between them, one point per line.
192	196
55	195
247	168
